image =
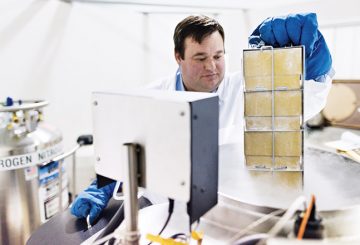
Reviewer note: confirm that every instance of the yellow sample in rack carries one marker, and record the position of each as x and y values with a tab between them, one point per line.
273	101
286	103
286	143
284	64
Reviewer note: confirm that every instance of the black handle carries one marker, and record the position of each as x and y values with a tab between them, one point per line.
86	139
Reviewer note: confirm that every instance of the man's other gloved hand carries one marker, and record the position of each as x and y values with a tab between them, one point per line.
297	29
92	201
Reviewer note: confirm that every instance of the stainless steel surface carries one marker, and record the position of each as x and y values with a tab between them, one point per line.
131	234
18	215
333	179
73	177
231	217
44	137
66	154
318	137
20	203
25	105
59	194
234	216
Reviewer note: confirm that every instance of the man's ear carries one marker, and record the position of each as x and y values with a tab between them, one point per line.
177	57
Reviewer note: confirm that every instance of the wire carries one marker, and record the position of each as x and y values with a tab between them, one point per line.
182	236
119	189
197	225
104	239
255	224
285	218
305	218
170	211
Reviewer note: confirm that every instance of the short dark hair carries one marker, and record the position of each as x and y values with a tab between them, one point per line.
197	27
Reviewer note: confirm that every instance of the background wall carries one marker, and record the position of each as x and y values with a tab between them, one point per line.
62	51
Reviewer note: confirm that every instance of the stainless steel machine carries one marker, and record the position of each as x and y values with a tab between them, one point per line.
29	180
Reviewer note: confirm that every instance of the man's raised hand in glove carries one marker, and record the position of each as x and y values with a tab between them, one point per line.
293	30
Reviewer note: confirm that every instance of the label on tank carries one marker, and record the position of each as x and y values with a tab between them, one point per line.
49	189
30	159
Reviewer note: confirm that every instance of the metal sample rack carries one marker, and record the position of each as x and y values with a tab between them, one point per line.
274	109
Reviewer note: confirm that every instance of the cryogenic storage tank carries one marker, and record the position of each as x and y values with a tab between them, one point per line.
29	180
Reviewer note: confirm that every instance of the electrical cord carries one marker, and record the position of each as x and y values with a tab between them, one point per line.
301	200
170	211
181	236
254	224
119	189
104	239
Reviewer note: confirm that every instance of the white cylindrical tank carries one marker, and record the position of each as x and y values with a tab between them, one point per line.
29	181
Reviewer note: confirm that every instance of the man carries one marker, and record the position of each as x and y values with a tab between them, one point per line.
199	52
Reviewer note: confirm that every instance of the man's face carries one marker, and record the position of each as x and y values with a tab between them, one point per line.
203	65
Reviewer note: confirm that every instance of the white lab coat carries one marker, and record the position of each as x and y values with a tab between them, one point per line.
231	103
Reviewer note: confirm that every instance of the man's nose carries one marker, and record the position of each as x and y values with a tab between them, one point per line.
210	64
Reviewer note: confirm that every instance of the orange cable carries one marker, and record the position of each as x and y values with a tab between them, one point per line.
305	218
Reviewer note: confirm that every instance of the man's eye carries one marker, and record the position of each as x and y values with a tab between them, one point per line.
201	59
217	57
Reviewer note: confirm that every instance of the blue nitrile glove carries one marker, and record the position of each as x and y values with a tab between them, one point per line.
92	201
297	29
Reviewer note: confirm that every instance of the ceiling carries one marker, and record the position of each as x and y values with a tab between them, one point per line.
213	4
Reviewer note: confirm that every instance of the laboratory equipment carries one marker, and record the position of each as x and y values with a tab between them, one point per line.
29	182
32	187
175	135
273	114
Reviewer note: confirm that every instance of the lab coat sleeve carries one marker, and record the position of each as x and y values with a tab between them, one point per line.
315	95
